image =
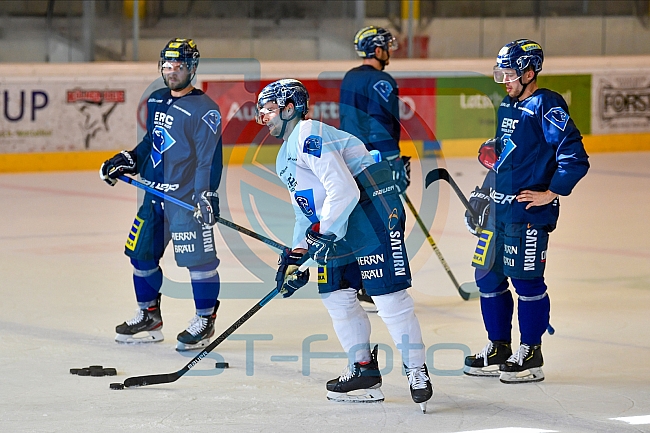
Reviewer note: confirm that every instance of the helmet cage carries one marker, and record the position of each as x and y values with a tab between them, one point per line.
282	92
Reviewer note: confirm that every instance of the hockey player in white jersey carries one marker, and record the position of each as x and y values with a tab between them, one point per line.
350	220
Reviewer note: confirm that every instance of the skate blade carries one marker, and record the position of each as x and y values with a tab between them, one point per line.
140	337
526	376
368	307
358	396
423	407
489	371
183	347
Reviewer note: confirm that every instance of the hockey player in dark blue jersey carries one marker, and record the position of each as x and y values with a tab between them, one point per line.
536	156
369	106
181	155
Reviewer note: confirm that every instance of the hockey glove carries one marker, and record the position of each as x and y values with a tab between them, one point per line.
479	200
488	153
122	163
401	167
321	246
287	265
207	208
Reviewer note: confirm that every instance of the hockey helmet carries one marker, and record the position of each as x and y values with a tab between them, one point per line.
282	92
177	55
369	38
515	57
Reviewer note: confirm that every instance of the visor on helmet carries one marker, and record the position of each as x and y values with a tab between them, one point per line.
260	112
504	75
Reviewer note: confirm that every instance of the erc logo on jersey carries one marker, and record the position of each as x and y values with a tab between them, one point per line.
162	141
213	119
558	117
313	145
384	88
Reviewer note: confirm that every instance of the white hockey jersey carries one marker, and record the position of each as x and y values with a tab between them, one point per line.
318	164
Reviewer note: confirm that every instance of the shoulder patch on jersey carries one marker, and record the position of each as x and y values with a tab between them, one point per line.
558	117
213	119
313	145
384	88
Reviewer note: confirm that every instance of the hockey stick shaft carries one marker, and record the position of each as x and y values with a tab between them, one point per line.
189	207
155	379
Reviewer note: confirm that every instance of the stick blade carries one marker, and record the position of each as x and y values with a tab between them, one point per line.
436	174
469	291
152	379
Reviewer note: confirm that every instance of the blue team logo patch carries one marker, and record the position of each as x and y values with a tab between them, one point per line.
558	117
162	141
305	200
508	147
313	145
384	88
213	119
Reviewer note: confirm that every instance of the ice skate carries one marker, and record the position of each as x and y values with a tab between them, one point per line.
198	333
145	327
359	383
524	366
366	301
420	383
488	360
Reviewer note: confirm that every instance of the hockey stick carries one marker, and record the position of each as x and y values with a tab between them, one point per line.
467	291
156	379
189	207
442	173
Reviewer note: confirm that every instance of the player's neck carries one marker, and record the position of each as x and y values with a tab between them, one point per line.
291	125
182	92
530	89
373	62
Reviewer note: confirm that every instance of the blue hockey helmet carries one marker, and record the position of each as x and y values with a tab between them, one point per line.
515	57
282	92
369	38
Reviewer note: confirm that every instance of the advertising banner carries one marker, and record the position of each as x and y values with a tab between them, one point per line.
237	102
621	103
69	115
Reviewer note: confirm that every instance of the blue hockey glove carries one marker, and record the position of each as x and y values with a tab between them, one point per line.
207	208
287	265
321	246
401	167
479	200
122	163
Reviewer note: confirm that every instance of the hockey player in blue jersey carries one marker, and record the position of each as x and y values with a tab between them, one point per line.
536	156
181	155
369	104
350	220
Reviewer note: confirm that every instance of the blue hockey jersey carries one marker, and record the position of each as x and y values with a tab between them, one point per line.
539	148
181	152
369	109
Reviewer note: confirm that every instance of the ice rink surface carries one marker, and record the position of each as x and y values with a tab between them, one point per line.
65	284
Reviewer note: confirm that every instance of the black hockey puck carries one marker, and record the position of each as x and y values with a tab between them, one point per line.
117	386
221	365
74	370
110	372
84	372
96	367
95	372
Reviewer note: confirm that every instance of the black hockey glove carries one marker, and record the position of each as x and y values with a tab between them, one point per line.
479	200
287	265
321	246
401	167
122	163
207	208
